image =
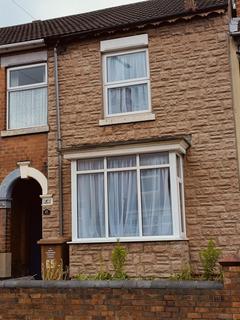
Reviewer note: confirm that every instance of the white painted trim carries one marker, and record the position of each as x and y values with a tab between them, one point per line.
174	194
24	58
178	145
23	131
124	43
122	239
74	200
29	172
128	118
20	46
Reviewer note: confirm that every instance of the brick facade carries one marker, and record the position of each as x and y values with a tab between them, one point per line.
122	300
191	94
14	149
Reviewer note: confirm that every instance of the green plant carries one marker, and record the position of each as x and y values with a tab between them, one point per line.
104	275
184	274
53	271
119	255
209	258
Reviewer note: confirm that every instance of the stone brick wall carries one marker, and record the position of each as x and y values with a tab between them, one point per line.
121	300
191	94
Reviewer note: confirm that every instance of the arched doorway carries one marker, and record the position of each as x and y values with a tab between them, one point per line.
26	227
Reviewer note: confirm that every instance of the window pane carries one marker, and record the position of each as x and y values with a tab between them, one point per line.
121	162
126	66
128	99
179	167
156	202
90	164
181	206
151	159
91	218
27	76
122	204
27	108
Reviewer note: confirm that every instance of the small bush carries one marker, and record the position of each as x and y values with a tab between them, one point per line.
184	274
119	255
53	271
209	258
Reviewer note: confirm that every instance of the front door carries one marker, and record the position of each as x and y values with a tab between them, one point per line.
26	228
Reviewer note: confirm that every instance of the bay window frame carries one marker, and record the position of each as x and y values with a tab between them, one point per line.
10	89
174	189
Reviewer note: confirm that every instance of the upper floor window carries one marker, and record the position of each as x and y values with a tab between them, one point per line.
126	77
126	82
27	96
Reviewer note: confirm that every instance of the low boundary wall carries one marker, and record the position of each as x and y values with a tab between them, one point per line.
122	300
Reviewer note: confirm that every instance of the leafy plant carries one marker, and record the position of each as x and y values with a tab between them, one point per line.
184	274
119	255
53	271
209	258
104	275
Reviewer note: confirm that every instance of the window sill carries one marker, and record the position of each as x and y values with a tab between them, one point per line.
19	132
127	119
149	239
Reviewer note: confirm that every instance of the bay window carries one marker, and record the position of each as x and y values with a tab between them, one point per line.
131	197
27	96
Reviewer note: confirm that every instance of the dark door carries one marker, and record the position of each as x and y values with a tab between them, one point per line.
26	228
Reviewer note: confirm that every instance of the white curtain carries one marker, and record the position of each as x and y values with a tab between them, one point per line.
91	218
27	108
122	204
128	98
156	202
126	66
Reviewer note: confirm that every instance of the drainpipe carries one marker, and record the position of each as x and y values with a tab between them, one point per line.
59	141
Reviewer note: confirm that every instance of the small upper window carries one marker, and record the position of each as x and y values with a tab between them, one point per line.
126	78
27	96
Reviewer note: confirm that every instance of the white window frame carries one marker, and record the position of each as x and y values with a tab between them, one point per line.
124	83
178	234
25	87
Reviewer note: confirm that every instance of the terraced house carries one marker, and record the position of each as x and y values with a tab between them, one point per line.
119	124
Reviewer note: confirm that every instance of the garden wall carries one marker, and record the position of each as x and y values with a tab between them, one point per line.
122	300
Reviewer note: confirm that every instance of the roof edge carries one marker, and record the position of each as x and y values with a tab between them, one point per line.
20	46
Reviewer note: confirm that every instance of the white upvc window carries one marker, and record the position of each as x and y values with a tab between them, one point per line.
126	82
131	197
27	96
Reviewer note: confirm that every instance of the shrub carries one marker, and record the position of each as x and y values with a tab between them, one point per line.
53	271
119	255
209	258
184	274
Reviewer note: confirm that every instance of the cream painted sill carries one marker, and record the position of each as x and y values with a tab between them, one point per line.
127	119
18	132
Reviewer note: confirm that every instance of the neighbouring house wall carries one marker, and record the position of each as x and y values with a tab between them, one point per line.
191	94
14	149
238	7
32	147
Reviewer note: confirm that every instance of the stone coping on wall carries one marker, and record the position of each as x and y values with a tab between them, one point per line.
113	284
